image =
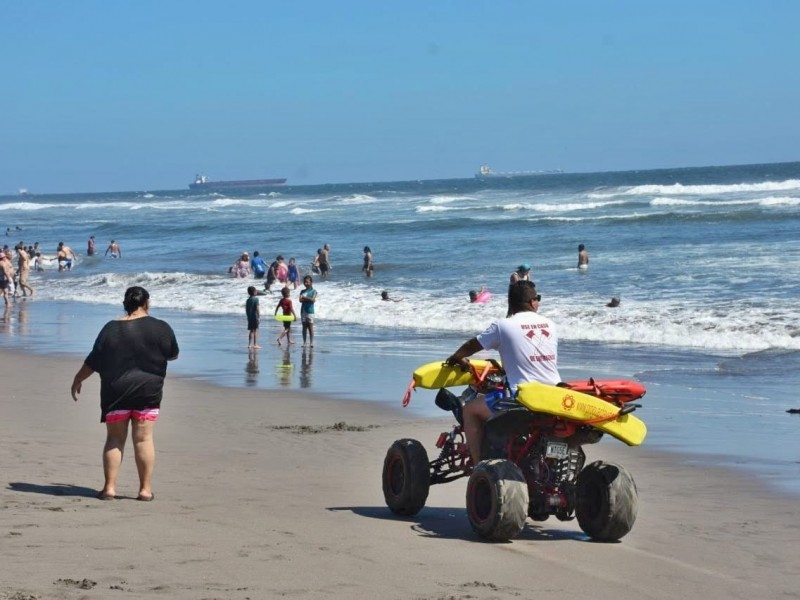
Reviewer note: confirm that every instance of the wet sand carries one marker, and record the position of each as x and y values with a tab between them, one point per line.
258	495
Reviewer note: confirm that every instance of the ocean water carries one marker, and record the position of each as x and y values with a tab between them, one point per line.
706	262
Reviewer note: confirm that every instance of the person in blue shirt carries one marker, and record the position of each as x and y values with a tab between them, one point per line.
308	298
258	266
294	276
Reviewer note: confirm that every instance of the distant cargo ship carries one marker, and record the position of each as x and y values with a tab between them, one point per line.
201	182
486	172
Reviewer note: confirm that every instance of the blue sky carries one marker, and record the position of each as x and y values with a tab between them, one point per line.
105	96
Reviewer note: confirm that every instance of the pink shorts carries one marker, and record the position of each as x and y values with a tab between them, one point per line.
147	414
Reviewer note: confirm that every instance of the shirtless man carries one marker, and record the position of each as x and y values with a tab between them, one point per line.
324	261
65	256
6	276
24	270
116	251
583	257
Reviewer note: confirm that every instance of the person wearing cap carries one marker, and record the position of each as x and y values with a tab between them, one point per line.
523	273
6	276
528	347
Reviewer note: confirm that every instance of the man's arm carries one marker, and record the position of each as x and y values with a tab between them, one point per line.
468	348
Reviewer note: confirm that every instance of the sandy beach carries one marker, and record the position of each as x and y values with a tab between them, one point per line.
260	495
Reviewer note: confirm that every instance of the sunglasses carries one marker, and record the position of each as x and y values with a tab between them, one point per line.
538	297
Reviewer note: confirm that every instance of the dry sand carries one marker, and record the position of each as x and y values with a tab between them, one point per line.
252	504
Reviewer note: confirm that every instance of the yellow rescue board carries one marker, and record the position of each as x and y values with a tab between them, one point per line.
437	375
567	403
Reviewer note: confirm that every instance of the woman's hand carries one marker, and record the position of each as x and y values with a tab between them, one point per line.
76	388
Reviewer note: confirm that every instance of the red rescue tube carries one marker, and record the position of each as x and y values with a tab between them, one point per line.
613	390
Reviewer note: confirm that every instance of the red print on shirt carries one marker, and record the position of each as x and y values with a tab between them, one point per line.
532	332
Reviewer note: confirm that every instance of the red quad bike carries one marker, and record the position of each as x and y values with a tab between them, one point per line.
533	461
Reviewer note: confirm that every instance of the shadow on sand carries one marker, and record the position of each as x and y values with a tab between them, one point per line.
452	523
53	489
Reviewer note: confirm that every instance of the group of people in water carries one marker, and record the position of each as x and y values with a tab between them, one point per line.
14	281
286	274
523	273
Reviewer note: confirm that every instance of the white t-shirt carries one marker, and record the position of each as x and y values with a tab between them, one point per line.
528	346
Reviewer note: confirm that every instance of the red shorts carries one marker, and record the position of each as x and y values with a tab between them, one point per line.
147	414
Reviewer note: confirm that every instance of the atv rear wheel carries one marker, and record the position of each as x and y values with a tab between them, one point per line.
606	501
497	500
406	477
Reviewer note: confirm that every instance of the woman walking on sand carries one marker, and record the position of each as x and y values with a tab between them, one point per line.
131	355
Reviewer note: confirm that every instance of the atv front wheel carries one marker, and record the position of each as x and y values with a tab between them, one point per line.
497	500
406	477
606	501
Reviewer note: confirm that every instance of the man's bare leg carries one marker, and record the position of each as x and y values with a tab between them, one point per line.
475	413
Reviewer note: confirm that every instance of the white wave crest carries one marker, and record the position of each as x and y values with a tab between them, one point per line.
281	204
679	189
302	211
27	206
426	209
445	199
358	199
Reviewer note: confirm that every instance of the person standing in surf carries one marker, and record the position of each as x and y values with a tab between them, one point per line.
325	261
23	270
293	273
113	247
523	273
367	268
253	313
583	257
308	297
258	266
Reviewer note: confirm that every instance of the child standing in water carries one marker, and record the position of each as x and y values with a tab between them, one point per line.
308	297
293	274
253	317
285	304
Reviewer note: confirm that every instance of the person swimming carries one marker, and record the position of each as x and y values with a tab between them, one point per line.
479	297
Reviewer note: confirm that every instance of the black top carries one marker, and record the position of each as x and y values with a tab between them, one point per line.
131	358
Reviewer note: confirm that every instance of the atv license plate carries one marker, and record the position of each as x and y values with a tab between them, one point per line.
556	450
